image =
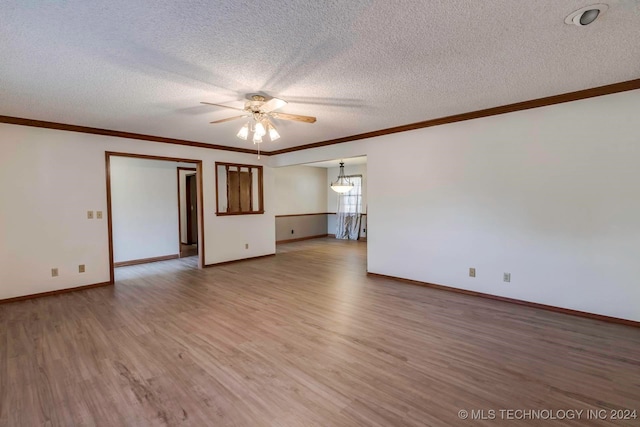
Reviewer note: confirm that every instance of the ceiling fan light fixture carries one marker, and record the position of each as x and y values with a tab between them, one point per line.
273	133
260	130
243	133
260	111
342	184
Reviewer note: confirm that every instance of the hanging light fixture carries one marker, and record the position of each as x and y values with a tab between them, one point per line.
273	133
342	184
260	130
243	133
259	110
260	126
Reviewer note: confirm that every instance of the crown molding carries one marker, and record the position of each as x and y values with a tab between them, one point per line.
494	111
116	133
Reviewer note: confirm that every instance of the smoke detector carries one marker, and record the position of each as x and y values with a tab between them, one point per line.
586	15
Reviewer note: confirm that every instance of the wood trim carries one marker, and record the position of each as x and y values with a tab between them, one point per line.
239	166
152	157
200	198
146	260
510	108
300	239
260	189
239	213
119	134
504	109
215	171
188	196
179	215
239	188
178	169
336	213
216	264
107	164
56	292
513	301
251	191
201	243
226	172
305	214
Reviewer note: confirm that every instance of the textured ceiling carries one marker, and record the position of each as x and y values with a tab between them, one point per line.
358	66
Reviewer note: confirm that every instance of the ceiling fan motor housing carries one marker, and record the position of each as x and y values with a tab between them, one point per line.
253	106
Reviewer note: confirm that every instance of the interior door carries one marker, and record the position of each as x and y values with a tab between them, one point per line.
192	210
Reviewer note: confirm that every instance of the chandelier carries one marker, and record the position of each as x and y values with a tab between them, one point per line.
342	184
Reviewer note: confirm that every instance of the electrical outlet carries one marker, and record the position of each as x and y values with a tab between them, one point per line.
472	272
246	246
54	272
364	230
291	231
506	277
81	268
99	214
89	214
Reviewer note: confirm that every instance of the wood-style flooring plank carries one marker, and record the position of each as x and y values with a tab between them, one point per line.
304	338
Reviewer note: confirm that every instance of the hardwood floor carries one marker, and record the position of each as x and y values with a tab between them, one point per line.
303	338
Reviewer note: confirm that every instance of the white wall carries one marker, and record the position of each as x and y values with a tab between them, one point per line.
43	221
550	195
332	196
144	206
300	189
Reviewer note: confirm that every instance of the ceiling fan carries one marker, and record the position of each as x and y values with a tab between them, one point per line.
260	112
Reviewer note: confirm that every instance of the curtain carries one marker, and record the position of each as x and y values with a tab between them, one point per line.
349	210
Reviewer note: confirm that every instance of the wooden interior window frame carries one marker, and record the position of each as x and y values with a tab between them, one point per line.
239	168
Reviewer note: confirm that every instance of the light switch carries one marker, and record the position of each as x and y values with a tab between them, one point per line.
99	214
89	214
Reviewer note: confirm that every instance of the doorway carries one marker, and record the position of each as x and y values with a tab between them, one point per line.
154	216
188	211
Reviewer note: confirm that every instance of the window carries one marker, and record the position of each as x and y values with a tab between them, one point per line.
238	189
351	201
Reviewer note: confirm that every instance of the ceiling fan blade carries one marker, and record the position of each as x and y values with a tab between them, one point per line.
296	117
228	119
223	106
273	104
